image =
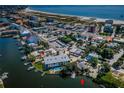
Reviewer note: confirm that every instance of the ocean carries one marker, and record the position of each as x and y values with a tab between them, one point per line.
100	11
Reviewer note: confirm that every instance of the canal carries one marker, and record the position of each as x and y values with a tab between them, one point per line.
19	77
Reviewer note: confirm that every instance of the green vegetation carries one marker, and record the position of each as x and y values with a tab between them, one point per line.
118	30
107	53
45	44
109	80
80	42
1	86
67	38
88	50
31	58
106	67
94	62
105	34
117	64
38	66
112	80
92	48
27	49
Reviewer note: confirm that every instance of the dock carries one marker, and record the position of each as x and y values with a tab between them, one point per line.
43	74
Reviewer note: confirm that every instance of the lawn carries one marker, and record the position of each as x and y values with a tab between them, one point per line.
1	85
110	80
38	66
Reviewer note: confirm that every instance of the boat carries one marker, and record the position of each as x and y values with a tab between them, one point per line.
73	75
43	74
5	73
101	86
4	76
22	51
24	58
27	63
30	68
20	48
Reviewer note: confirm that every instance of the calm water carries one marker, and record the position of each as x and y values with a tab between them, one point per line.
19	77
111	12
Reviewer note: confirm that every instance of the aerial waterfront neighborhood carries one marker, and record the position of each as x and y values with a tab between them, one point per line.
66	45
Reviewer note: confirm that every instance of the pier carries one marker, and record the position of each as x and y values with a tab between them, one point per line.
8	33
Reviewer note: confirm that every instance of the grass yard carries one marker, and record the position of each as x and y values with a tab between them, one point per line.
38	66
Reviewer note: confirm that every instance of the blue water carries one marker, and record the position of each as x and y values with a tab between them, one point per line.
101	11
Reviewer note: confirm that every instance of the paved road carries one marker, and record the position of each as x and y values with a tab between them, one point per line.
116	57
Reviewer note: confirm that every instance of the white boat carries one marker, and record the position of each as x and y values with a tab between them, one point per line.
4	75
24	57
27	63
30	68
73	75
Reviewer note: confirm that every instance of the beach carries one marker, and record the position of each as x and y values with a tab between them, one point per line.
96	19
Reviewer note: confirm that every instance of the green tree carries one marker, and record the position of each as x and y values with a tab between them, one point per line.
80	42
107	53
94	62
31	58
106	67
117	64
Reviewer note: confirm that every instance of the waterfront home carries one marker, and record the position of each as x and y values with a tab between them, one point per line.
55	61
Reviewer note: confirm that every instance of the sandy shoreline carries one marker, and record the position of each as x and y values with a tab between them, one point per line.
80	17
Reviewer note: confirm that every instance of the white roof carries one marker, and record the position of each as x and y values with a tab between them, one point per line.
26	32
56	59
